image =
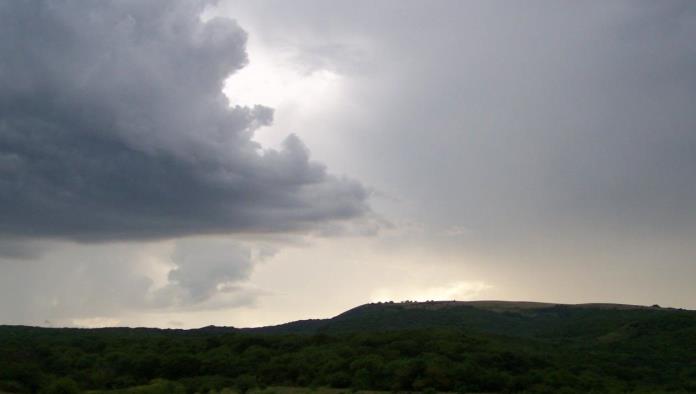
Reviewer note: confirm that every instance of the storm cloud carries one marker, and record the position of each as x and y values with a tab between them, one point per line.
539	120
540	151
113	125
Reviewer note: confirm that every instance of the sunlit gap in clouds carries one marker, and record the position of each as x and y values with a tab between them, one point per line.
460	291
276	79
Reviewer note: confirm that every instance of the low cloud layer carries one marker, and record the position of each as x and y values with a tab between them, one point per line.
113	126
122	280
203	270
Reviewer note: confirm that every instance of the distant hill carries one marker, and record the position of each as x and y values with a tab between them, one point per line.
497	317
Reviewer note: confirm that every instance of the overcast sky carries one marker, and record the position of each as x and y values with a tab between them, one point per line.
185	163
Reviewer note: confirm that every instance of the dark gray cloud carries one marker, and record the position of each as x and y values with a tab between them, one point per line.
113	125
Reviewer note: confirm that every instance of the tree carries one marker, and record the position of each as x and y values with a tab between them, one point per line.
245	383
62	386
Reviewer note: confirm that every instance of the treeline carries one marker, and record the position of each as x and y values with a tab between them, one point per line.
641	358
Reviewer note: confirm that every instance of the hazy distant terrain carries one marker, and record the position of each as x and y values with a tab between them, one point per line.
485	346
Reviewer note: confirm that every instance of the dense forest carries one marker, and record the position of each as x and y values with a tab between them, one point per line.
392	347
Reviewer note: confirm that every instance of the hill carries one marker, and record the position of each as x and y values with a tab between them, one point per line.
497	317
484	346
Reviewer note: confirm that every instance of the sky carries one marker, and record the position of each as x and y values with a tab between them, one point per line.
172	163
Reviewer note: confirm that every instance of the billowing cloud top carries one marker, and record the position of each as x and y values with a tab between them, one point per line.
113	125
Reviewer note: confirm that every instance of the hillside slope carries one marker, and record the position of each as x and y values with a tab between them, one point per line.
531	319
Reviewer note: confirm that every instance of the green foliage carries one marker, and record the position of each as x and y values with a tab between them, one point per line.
62	386
549	350
245	382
